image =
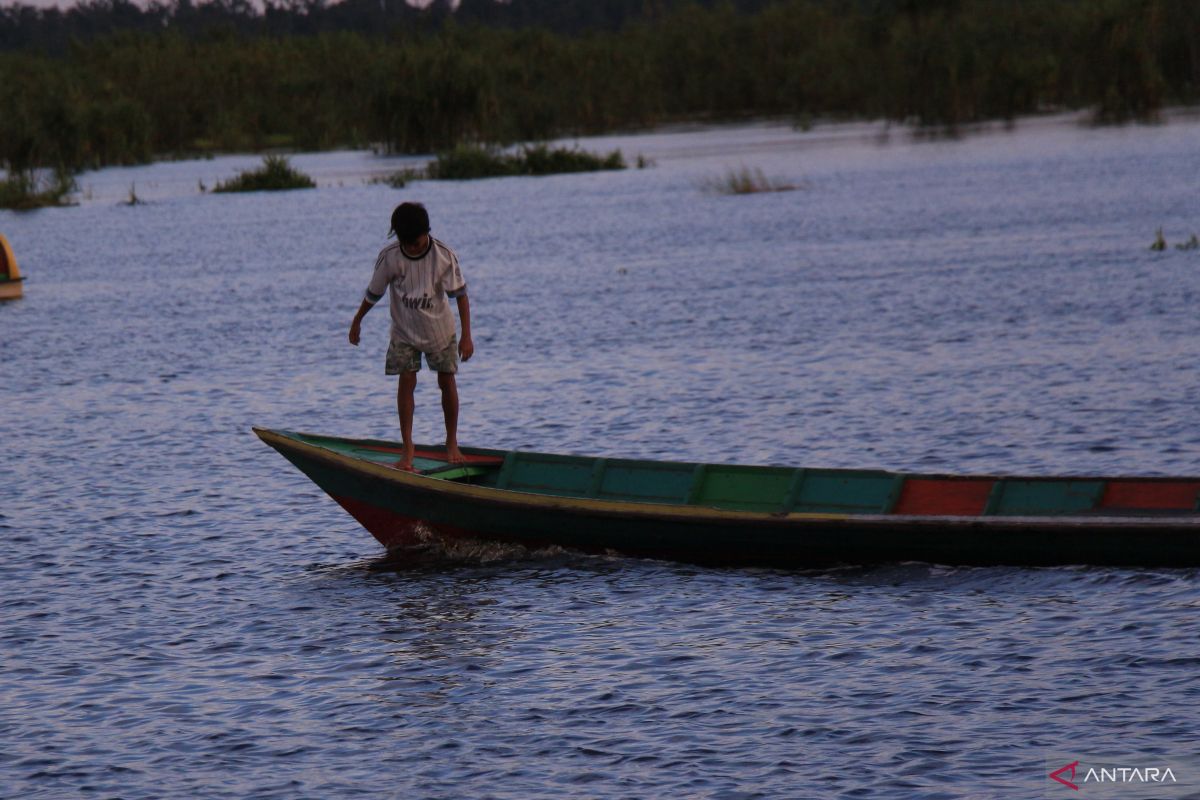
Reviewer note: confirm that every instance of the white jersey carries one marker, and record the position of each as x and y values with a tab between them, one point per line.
418	289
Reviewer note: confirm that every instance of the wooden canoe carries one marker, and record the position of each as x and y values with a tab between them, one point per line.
774	516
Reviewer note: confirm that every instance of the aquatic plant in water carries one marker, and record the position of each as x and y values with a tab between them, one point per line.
275	174
744	181
400	178
541	160
470	161
1160	242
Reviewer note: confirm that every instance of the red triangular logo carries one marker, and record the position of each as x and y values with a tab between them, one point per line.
1058	772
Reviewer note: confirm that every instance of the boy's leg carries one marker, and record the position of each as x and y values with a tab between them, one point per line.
404	360
449	389
404	404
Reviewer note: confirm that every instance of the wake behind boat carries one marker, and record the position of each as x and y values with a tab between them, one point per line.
729	514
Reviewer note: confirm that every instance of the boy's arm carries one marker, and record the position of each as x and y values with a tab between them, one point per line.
466	348
356	325
380	279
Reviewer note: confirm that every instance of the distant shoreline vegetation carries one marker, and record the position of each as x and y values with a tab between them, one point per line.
31	189
179	77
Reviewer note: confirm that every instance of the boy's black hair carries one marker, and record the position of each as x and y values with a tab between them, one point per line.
409	221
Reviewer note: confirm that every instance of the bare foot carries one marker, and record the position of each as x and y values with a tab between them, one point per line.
454	455
406	463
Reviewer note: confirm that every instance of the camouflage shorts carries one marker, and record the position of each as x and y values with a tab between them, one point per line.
403	357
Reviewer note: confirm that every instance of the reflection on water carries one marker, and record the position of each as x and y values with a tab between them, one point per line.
183	614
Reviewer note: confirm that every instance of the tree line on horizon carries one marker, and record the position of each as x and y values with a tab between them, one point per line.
131	94
53	30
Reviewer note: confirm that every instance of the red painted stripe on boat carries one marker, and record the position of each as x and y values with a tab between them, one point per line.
944	496
1151	495
392	529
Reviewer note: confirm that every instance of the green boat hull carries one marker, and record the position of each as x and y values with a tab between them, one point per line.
745	515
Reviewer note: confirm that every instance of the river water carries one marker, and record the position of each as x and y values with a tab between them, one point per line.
184	615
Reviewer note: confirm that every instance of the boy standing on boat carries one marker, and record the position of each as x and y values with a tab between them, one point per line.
419	273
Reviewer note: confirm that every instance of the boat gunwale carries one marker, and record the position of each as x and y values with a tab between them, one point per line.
516	498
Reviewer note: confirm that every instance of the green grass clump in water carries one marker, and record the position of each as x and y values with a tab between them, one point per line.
275	174
466	162
744	181
1160	242
26	190
541	160
399	179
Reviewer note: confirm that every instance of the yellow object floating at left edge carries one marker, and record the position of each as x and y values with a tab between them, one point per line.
10	276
